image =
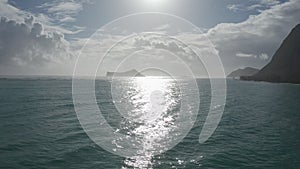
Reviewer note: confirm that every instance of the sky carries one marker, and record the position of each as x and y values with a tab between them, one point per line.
39	37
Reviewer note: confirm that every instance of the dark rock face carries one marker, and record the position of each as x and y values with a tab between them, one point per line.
130	73
285	64
248	71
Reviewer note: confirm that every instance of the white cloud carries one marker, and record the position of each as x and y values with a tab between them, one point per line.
26	43
264	56
259	35
66	7
159	43
269	2
49	24
235	7
163	27
254	5
64	11
245	55
31	43
10	11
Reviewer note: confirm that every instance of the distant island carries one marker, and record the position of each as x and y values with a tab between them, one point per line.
285	64
130	73
248	71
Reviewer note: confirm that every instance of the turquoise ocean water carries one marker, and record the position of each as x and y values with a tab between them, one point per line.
39	128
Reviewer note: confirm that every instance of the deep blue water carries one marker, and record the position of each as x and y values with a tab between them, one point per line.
259	129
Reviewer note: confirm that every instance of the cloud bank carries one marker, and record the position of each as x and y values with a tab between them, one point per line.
26	43
258	37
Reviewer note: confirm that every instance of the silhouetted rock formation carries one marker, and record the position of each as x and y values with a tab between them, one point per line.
285	64
248	71
130	73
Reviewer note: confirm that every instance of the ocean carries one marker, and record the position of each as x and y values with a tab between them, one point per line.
40	130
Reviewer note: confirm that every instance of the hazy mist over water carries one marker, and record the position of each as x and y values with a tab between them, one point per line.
39	128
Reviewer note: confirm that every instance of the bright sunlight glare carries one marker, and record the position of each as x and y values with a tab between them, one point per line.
154	2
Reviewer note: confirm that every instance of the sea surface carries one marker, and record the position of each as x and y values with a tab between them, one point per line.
39	128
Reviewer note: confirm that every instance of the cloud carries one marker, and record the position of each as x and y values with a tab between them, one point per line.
161	42
269	2
64	11
244	55
262	56
163	28
10	11
260	35
66	7
235	7
34	43
254	5
49	24
27	43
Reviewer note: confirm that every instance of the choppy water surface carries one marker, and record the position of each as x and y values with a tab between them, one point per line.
259	129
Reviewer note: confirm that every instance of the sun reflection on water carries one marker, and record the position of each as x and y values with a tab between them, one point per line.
151	103
153	114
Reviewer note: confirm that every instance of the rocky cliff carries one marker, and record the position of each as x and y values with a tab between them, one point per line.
285	64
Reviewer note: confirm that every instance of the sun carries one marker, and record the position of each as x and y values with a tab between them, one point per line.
154	2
